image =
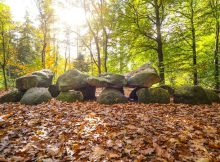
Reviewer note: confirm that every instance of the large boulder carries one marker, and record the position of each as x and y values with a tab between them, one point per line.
111	96
97	81
42	78
45	77
191	95
26	82
72	79
145	76
36	96
70	96
13	96
108	80
212	95
88	92
153	95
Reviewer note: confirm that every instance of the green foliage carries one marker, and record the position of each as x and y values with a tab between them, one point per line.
81	64
153	95
118	36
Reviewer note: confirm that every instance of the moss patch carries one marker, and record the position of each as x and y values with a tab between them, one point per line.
153	95
70	96
191	95
111	96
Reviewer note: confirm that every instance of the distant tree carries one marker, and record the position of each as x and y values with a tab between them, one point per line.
5	39
46	18
26	43
215	10
81	64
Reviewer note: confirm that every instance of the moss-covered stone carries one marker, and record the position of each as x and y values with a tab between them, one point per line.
13	96
70	96
107	80
97	81
115	80
36	96
71	80
111	96
45	77
212	95
143	77
26	82
153	95
191	95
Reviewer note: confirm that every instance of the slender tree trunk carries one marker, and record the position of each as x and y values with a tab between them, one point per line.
105	50
4	58
43	55
99	54
66	59
216	55
159	43
195	73
5	78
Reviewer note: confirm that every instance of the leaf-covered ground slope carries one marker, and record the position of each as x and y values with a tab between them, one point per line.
92	132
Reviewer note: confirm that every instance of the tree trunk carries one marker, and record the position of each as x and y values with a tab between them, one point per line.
99	54
4	57
216	55
5	78
43	55
195	74
159	43
66	59
105	50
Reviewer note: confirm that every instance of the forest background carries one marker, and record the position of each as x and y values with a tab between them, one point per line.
180	38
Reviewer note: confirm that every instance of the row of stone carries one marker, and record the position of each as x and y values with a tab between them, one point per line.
74	85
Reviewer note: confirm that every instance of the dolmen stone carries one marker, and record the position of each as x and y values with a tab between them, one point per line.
26	82
75	80
72	79
111	96
143	77
70	96
35	96
153	95
107	80
45	77
212	95
194	95
42	78
113	84
13	96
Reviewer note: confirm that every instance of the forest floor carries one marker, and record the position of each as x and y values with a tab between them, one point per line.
90	131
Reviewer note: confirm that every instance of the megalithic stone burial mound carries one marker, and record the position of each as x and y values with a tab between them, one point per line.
73	85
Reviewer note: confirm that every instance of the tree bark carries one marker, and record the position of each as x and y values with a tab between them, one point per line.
216	60
4	57
105	50
195	73
159	43
5	78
